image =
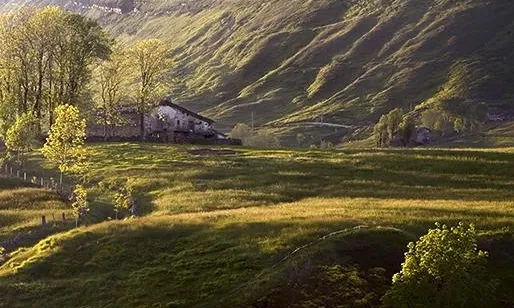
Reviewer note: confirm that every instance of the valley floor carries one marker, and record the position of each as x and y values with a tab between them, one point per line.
263	228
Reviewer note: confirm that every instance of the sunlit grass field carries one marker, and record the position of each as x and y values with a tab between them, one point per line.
21	207
218	231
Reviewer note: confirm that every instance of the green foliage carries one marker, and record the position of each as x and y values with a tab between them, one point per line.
440	121
80	202
407	129
22	136
65	143
387	128
263	138
124	198
443	268
110	80
241	131
152	64
46	61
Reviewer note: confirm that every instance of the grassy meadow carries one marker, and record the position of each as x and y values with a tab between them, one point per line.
244	230
22	205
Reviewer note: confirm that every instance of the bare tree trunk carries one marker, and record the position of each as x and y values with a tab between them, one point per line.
105	128
142	125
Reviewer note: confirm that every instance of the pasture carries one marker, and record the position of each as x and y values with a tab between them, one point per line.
251	228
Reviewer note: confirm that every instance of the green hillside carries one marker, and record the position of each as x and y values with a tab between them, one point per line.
346	61
221	230
21	207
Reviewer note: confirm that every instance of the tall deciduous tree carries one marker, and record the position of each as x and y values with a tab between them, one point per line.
111	78
45	61
65	143
151	61
387	128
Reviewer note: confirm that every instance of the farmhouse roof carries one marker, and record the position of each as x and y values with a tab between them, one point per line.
167	102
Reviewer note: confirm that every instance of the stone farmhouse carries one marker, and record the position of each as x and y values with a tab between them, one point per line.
167	122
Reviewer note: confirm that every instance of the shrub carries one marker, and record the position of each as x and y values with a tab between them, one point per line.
326	145
444	268
124	199
263	139
80	203
22	136
241	131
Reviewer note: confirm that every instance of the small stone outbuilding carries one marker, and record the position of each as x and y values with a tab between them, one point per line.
423	135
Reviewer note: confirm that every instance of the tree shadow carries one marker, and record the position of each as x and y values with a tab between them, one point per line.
191	264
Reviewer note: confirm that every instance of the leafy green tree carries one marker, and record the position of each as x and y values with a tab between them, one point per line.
394	118
111	78
264	138
441	121
45	61
241	131
151	65
380	133
65	143
22	136
84	41
444	268
407	129
80	203
124	198
391	127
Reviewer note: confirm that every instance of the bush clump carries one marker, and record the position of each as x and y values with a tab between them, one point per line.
444	268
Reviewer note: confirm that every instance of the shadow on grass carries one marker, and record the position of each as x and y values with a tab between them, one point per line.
169	178
171	264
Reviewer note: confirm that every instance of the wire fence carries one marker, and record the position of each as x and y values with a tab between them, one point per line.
60	220
38	179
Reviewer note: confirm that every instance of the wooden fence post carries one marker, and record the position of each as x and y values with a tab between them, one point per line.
25	176
18	173
43	221
63	217
42	181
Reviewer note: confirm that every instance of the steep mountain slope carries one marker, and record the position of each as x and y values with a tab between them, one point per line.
348	61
